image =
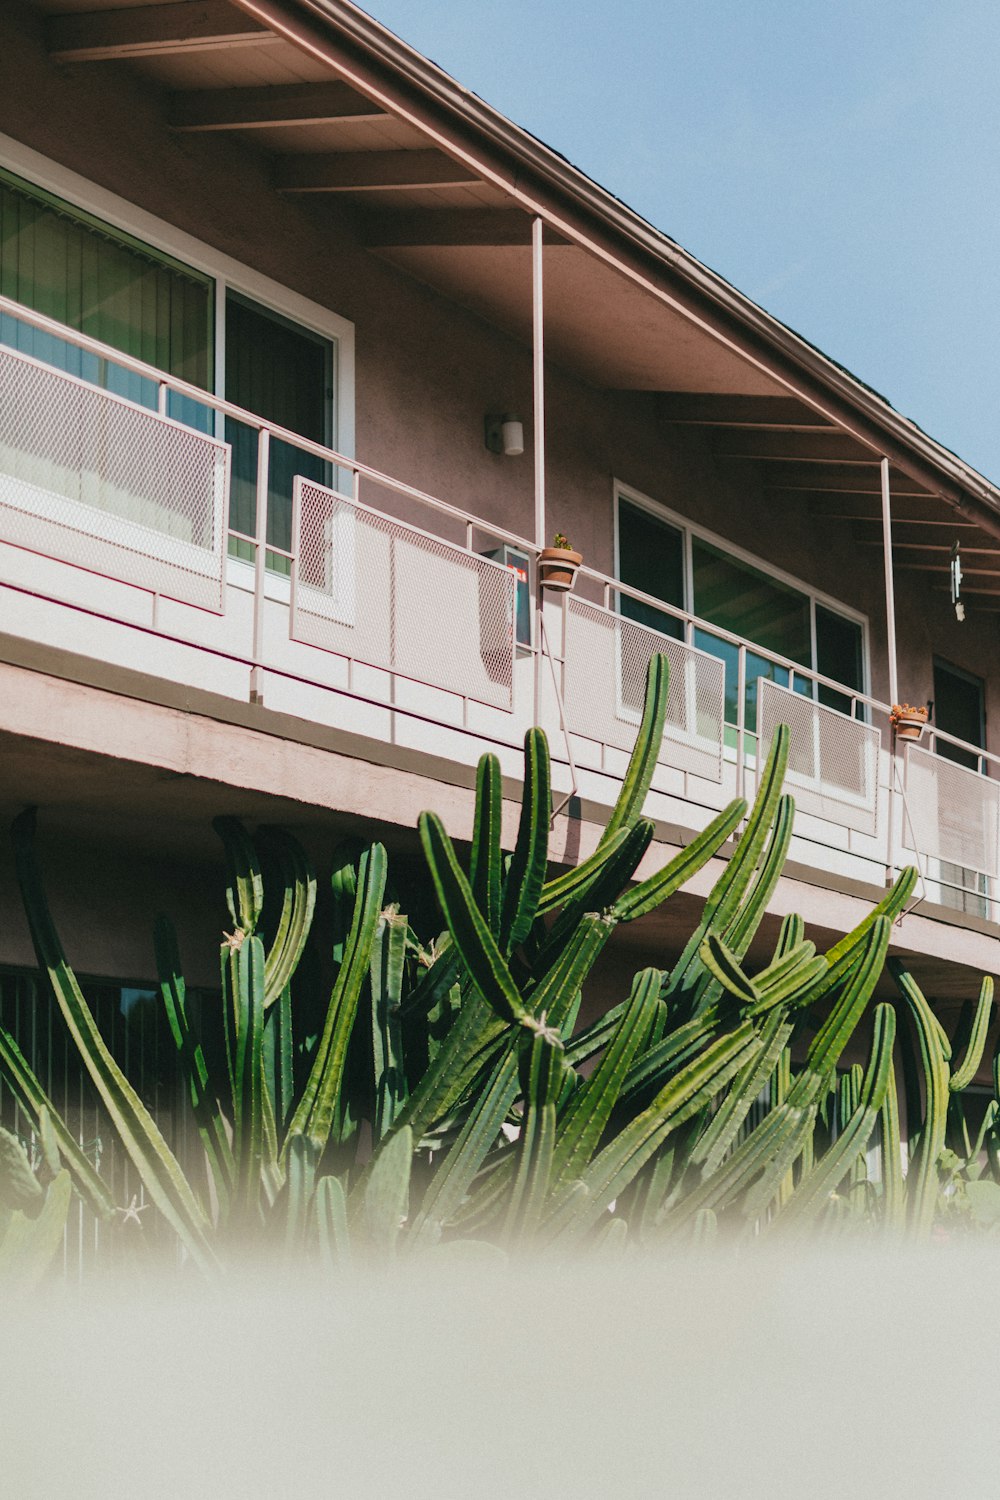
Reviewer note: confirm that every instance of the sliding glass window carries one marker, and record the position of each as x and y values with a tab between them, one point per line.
773	616
72	267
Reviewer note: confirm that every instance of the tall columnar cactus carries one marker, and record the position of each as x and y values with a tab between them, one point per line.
449	1091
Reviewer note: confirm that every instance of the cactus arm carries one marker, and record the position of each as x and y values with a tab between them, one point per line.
646	750
922	1190
387	1191
790	935
563	888
890	907
784	1132
204	1105
813	1192
526	875
725	969
435	983
485	866
891	1155
330	1206
754	904
786	1151
30	1245
321	1104
248	1119
387	973
545	1071
472	937
655	889
555	993
989	1122
832	1037
615	1166
967	1069
157	1166
244	885
724	900
583	1122
601	891
453	1177
301	1159
26	1089
297	909
721	1132
279	1071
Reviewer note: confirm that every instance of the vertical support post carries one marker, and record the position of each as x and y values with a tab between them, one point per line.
260	562
538	351
741	716
538	424
890	629
890	597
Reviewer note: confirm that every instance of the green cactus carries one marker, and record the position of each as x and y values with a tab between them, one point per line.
450	1097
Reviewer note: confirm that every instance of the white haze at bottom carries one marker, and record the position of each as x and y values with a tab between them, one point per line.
849	1373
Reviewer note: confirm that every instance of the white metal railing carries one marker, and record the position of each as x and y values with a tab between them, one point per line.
604	677
128	492
373	589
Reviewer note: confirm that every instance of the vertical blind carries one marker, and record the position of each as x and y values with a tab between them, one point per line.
64	263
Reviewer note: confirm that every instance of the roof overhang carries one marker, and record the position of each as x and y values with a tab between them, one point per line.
444	187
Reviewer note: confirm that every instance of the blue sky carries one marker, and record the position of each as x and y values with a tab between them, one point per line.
835	159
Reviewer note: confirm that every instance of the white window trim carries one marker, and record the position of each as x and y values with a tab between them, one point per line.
228	274
690	529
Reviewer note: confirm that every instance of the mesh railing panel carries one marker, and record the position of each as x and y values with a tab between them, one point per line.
605	679
380	592
96	481
954	812
833	760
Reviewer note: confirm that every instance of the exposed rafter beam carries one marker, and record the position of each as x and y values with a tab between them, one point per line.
769	412
982	593
368	171
146	30
854	479
452	226
923	522
929	567
278	104
790	447
938	549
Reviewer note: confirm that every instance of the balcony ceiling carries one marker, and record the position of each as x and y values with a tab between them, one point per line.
220	70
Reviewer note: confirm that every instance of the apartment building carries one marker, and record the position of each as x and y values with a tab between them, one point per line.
305	355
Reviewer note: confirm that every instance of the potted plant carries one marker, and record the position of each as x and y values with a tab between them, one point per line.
908	723
557	564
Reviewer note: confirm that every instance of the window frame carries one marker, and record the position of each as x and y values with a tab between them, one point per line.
691	530
227	274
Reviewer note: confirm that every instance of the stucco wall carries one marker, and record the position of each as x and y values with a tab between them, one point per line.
427	371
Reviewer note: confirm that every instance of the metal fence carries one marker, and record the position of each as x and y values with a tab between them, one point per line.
833	759
134	1026
382	592
606	656
954	813
95	480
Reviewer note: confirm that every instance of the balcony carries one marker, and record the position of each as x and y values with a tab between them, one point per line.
401	618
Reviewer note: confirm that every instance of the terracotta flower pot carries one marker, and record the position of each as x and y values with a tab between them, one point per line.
910	728
557	567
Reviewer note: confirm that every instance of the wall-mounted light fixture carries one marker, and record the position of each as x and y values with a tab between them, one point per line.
956	582
505	435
